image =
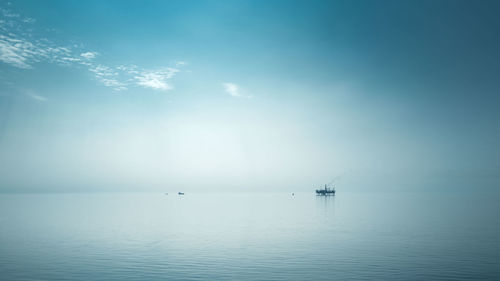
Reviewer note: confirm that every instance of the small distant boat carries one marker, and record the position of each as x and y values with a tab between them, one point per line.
326	191
181	193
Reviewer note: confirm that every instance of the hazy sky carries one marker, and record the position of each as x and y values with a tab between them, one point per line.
249	95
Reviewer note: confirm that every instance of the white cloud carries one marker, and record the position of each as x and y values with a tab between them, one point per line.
156	80
89	55
101	70
23	53
107	76
29	20
231	89
21	48
234	90
17	52
9	14
115	84
70	59
180	63
128	69
121	76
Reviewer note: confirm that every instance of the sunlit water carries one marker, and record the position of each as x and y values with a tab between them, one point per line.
265	236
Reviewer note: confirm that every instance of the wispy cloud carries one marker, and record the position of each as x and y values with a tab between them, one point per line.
180	63
231	89
16	52
19	47
89	55
102	71
107	76
37	97
29	20
156	80
234	90
113	83
8	13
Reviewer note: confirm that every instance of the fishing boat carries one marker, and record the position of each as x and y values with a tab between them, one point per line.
327	191
180	193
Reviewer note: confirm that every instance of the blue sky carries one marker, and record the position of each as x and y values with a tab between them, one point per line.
248	95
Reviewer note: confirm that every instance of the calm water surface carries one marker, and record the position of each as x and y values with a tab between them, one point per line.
267	236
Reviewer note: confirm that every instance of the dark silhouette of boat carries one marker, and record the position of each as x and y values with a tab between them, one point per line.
180	193
326	191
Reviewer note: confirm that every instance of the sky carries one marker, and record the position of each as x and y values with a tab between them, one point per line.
249	95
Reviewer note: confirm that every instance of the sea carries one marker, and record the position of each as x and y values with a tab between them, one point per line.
250	236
